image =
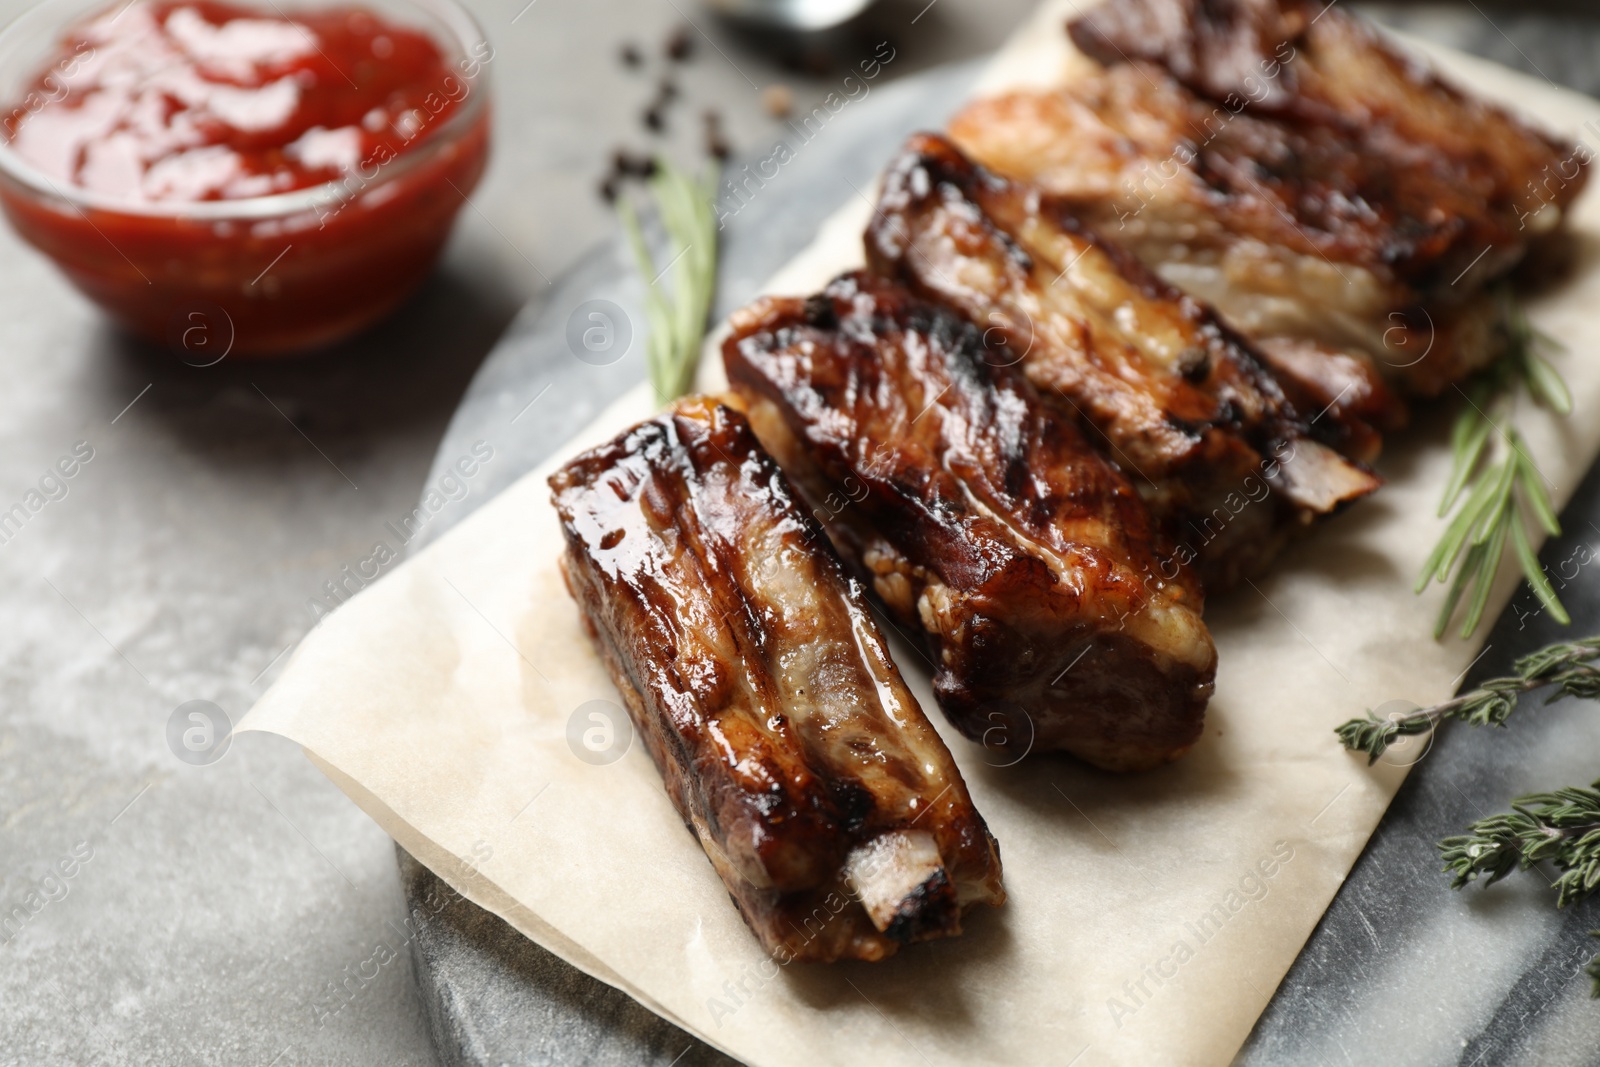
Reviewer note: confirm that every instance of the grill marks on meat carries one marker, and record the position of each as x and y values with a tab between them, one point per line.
1181	403
1321	67
1286	239
1138	142
984	522
765	693
1334	201
1319	188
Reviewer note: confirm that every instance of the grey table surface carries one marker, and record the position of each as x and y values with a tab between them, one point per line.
223	907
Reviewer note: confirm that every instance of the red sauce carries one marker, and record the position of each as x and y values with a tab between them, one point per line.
157	106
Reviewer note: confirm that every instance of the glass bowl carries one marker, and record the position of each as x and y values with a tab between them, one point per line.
259	276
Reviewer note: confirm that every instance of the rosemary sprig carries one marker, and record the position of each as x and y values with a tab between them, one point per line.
1571	667
1562	827
678	320
1503	490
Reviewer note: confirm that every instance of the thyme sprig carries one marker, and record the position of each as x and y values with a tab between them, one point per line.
1503	491
1571	667
1562	827
677	320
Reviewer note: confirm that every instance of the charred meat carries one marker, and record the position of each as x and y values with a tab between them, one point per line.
1324	192
765	693
1026	563
1181	403
1318	66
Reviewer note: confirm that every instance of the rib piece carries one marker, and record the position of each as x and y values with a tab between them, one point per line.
765	693
1329	195
1287	234
1183	404
986	524
1317	65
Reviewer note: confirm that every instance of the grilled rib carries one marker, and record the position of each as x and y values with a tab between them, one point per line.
1328	195
1151	167
1026	563
1315	65
765	693
1182	403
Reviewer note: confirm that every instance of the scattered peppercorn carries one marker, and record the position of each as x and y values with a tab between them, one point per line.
625	166
655	116
679	45
640	166
716	145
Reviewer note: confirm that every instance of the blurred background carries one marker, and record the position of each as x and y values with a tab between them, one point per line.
220	903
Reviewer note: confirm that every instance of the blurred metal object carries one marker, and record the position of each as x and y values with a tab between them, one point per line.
804	15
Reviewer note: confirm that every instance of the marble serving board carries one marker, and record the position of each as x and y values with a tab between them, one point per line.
1400	970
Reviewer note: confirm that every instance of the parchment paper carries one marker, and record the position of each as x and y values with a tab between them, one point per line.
1150	917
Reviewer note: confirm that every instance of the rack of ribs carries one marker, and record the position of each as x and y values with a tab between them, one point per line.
1028	566
1181	403
1336	201
763	689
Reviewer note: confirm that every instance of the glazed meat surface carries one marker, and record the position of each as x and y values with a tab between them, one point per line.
1319	66
1183	405
1026	562
761	685
1288	236
1325	192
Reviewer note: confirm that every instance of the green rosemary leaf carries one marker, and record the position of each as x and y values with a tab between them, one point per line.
1495	546
1504	477
1544	382
687	216
1470	568
1533	487
1535	574
1501	497
658	342
677	321
1456	536
1469	447
1546	385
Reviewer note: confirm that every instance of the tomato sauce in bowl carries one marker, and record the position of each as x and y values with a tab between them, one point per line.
281	176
